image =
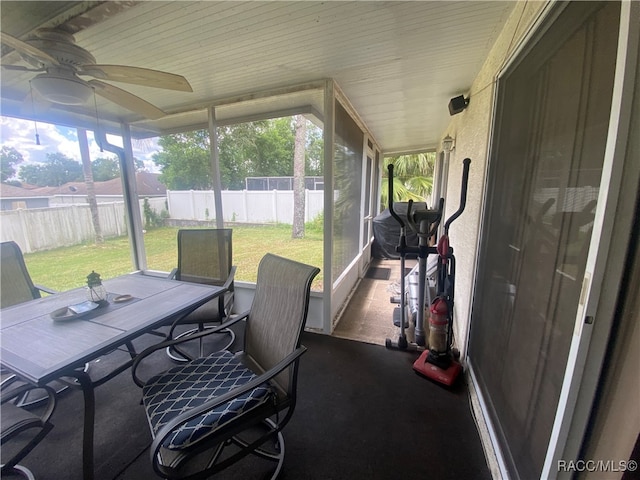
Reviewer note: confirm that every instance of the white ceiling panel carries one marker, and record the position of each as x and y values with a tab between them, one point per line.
398	63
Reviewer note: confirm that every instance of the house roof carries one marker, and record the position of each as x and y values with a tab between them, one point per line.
11	191
398	63
146	182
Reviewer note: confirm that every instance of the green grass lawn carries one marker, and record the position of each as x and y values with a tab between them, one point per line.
67	267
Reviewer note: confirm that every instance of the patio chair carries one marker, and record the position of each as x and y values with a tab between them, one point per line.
17	287
213	411
18	423
205	256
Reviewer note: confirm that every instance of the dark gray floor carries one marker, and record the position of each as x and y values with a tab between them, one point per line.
362	414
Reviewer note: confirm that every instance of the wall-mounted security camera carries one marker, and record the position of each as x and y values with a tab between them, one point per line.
457	104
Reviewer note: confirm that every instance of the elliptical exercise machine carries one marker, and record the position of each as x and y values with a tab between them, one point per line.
437	362
424	223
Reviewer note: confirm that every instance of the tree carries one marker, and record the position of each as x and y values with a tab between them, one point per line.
57	170
298	177
108	168
9	158
261	148
138	165
237	147
104	169
315	151
88	180
412	177
275	146
185	161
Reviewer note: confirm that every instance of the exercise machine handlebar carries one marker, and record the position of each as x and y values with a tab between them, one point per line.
390	189
463	195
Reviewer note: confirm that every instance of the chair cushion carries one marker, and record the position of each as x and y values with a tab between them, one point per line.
188	386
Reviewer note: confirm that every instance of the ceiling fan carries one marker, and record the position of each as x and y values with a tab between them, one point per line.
61	62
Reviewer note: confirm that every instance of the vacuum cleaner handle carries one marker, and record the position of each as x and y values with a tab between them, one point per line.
463	194
391	211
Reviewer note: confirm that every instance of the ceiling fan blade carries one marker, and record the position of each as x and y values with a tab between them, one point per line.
27	49
20	68
127	100
138	76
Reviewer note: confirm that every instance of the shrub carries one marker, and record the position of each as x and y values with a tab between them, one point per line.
151	218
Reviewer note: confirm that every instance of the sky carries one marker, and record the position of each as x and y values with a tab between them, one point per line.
21	135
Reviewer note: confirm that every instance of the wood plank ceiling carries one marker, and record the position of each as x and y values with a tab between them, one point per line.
398	63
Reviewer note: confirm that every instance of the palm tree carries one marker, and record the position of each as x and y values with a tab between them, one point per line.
412	177
88	180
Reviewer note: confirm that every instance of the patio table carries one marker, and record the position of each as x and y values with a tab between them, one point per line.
39	349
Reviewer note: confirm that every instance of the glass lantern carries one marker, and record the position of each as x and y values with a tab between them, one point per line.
95	290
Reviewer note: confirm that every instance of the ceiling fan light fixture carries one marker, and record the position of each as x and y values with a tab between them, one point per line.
61	89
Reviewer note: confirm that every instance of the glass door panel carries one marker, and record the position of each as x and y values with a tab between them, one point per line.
545	174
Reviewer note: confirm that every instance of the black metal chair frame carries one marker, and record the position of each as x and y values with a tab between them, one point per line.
17	420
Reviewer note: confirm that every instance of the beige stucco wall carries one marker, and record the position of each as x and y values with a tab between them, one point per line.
471	130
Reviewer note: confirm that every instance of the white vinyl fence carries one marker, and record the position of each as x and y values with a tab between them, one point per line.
65	225
38	229
243	206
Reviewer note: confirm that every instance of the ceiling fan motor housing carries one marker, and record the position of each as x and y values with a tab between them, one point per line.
61	46
62	88
60	84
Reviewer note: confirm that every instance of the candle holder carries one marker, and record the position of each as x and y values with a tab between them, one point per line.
95	290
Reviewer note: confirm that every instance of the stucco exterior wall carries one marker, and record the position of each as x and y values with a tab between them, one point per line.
471	130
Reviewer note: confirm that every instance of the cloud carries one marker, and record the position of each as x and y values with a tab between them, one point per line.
21	135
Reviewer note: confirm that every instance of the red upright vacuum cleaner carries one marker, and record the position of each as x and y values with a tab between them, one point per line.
438	363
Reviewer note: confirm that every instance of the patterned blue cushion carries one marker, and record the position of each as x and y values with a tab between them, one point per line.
187	386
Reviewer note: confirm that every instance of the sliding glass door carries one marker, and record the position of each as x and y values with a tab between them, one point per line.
553	117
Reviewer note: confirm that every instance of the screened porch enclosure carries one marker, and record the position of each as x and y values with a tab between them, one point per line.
344	208
351	196
351	167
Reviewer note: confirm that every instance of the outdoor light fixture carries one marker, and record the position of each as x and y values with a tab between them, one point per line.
62	89
457	104
447	144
